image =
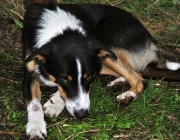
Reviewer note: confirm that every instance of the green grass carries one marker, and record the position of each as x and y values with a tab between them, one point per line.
154	115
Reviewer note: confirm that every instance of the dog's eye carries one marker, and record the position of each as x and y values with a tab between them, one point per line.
65	80
89	77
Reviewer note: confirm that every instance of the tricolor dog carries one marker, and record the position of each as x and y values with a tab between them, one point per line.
67	45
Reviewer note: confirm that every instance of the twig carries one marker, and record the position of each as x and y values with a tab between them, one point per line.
11	133
8	80
69	137
94	130
158	99
110	3
58	123
17	14
120	3
141	124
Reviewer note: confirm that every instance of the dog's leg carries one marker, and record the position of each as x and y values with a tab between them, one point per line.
54	106
116	84
124	70
120	81
36	126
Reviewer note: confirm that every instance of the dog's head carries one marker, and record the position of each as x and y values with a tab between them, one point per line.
71	64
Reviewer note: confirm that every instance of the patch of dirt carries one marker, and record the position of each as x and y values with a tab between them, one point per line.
11	70
11	50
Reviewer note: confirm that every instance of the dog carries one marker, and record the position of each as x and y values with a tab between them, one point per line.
68	45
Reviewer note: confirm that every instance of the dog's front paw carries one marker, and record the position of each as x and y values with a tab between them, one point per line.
126	97
117	84
36	126
54	105
36	129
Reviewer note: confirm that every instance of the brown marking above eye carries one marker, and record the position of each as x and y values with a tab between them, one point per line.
85	75
69	78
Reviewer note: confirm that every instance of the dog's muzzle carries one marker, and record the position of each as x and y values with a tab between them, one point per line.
80	114
79	107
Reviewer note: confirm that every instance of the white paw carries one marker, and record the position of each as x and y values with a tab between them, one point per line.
36	129
54	105
117	80
126	97
36	126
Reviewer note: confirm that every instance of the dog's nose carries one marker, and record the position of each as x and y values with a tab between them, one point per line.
80	114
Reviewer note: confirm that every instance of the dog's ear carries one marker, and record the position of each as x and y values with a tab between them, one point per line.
39	56
100	50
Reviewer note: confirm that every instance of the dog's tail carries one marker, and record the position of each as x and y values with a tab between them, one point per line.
173	65
172	73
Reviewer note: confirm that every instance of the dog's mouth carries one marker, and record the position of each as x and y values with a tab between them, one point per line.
79	107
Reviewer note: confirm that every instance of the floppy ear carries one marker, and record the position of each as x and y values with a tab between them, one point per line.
40	55
100	50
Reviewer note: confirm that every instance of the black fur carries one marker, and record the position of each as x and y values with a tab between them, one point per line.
114	41
106	28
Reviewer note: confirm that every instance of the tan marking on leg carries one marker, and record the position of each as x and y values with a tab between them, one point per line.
108	71
123	57
139	60
125	70
35	90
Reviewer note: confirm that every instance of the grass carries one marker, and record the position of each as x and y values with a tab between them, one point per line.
154	115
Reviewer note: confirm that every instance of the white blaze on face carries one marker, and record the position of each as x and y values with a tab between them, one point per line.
82	100
79	70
